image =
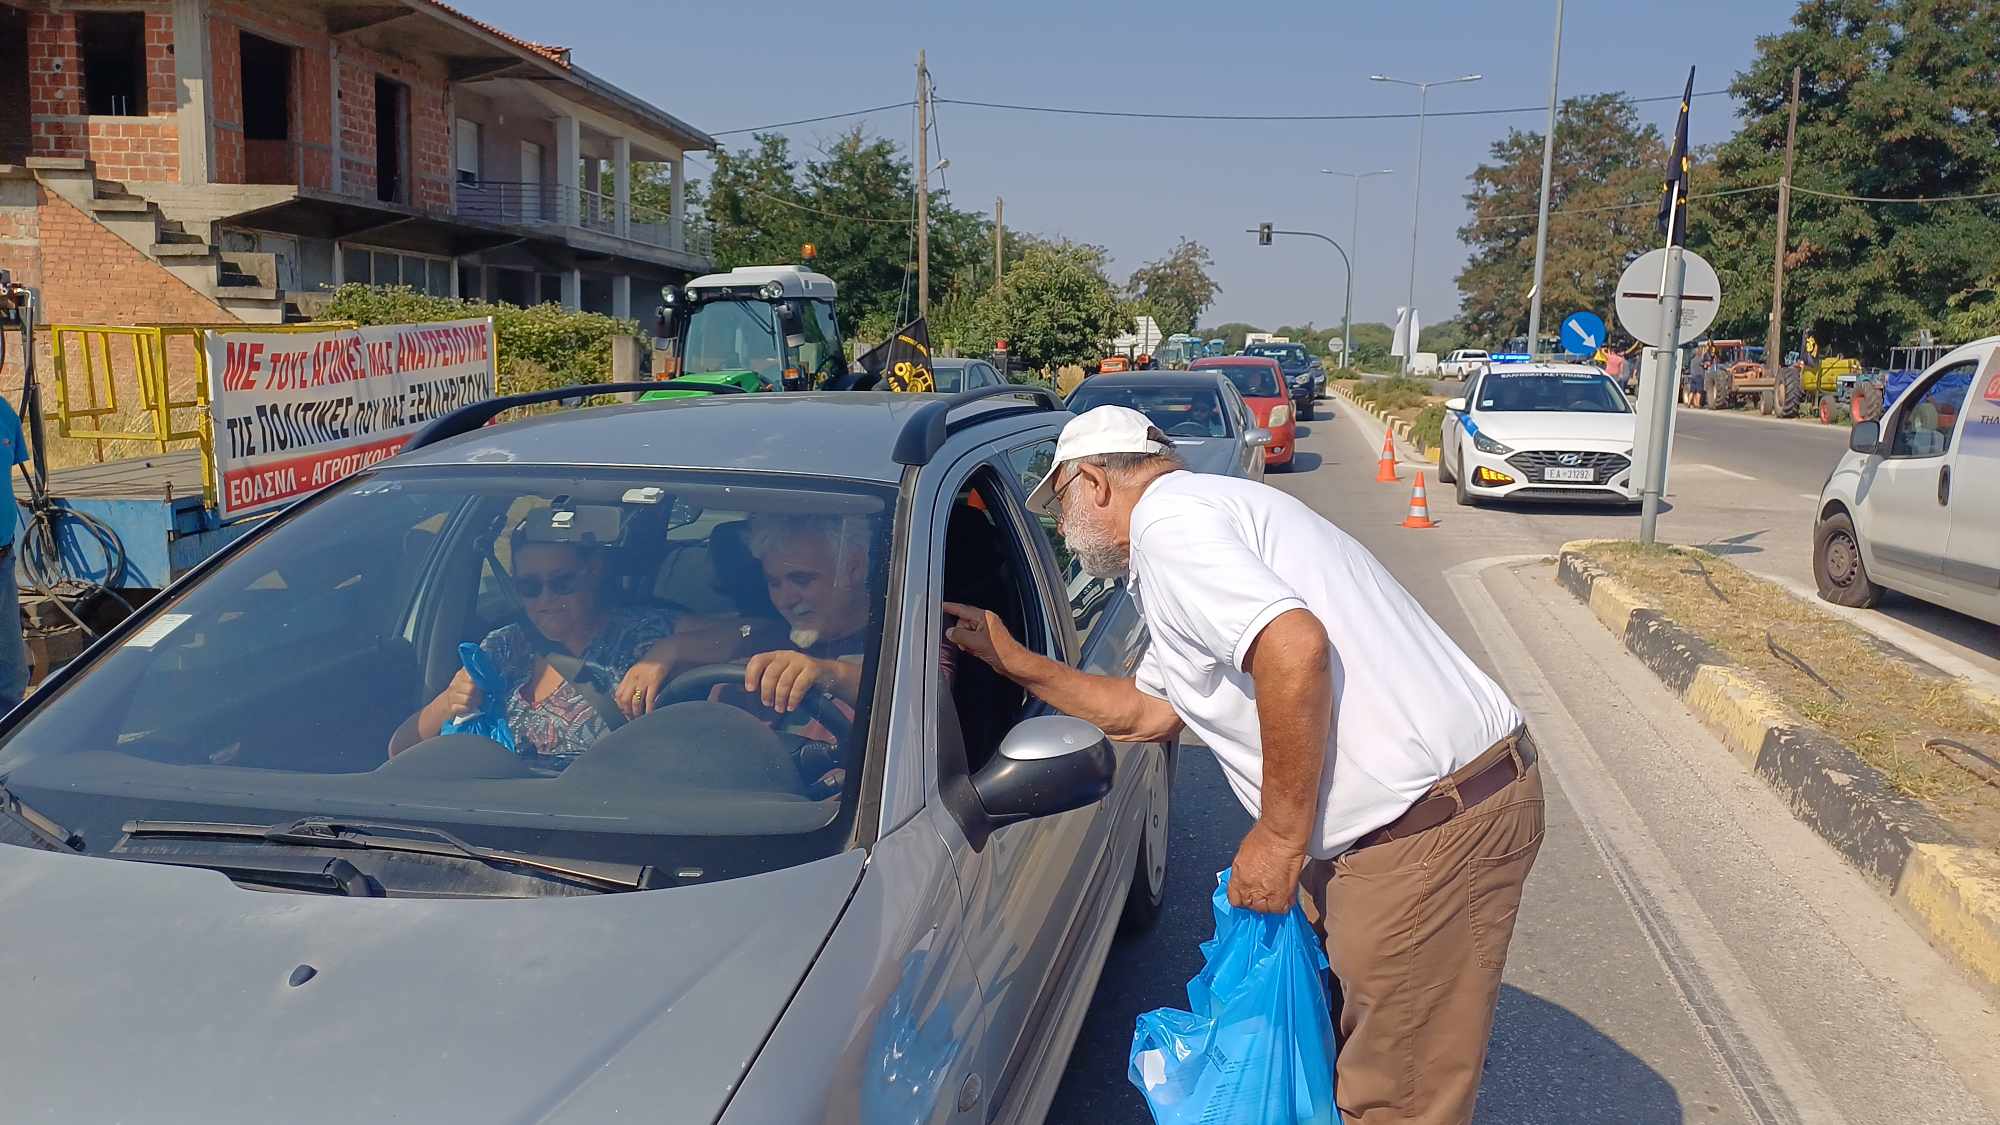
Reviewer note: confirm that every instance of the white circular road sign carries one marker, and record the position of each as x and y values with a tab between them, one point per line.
1643	310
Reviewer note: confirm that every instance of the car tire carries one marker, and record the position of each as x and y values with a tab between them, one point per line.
1465	498
1838	568
1445	475
1306	412
1149	875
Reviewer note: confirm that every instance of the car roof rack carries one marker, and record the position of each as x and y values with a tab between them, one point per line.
468	418
932	424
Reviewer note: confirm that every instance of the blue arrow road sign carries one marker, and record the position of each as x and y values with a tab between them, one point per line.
1582	333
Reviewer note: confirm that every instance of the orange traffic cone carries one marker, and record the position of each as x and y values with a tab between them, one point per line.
1420	507
1385	469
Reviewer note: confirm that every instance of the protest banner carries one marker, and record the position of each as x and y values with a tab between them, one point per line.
295	412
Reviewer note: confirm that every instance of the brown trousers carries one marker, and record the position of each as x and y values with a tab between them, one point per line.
1416	930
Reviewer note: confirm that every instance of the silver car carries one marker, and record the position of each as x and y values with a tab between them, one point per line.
251	877
1211	426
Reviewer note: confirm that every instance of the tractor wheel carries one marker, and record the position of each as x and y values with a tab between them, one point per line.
1791	391
1717	390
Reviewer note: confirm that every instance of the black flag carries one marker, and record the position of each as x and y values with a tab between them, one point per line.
1674	197
902	363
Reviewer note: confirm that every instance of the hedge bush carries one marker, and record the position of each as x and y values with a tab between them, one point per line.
1427	430
541	347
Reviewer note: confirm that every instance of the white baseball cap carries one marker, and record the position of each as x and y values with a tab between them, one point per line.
1096	433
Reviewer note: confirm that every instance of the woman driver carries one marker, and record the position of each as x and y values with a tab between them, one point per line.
560	584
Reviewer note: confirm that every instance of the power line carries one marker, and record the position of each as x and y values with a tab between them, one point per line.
1624	206
812	120
1078	112
1884	199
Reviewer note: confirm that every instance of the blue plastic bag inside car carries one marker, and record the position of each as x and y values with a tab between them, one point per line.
491	718
1256	1046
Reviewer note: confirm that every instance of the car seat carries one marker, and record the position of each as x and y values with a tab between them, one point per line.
738	574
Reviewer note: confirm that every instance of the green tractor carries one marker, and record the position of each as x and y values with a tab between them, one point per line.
756	328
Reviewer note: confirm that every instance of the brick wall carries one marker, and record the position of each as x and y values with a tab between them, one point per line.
137	149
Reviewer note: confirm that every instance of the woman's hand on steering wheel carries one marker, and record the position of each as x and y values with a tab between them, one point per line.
640	688
782	679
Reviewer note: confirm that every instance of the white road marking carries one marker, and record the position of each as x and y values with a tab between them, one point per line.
1812	496
1774	1082
1699	467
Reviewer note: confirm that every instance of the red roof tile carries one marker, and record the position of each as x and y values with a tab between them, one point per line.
557	55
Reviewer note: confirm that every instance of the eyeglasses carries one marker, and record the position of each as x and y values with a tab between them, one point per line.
560	585
1055	497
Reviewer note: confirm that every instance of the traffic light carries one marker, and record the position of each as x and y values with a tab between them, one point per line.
1263	234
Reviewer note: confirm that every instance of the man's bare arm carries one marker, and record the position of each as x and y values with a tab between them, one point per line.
1291	662
1115	705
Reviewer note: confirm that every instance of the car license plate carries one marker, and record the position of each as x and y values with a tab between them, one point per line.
1587	476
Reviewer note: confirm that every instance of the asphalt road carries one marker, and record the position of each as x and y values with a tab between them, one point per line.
1746	487
1687	951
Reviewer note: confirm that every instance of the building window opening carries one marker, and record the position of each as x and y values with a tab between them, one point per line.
267	111
114	62
392	116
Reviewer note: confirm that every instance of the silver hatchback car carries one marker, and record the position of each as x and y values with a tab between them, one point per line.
606	765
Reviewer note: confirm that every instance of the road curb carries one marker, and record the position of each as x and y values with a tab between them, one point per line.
1950	889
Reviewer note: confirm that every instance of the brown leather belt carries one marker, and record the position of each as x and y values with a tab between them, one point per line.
1504	763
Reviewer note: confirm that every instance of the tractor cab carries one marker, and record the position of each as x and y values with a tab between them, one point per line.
757	328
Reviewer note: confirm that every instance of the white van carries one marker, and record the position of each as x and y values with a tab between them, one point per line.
1914	505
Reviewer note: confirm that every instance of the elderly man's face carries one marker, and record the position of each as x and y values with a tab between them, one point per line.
817	601
1086	526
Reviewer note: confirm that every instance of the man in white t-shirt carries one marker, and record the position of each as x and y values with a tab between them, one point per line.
1394	787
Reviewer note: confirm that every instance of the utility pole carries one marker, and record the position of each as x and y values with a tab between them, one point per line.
1773	347
1542	220
999	236
923	187
1417	193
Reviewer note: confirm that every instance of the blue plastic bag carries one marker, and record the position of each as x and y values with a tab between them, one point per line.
491	718
1257	1047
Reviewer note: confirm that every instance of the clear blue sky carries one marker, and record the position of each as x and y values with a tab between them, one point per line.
1136	186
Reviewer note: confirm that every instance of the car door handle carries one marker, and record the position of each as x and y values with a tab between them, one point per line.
1944	486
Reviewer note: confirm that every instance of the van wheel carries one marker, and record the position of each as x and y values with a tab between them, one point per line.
1837	565
1149	878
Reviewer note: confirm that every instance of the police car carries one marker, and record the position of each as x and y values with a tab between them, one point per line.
1540	431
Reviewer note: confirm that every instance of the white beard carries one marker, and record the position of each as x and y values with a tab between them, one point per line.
805	638
1096	551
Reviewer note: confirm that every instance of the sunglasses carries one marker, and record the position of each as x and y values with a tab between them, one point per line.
560	585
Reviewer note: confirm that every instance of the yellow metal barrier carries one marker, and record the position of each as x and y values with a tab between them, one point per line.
102	416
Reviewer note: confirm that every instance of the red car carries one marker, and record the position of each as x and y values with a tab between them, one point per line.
1262	385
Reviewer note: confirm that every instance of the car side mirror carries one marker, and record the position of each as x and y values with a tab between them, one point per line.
1455	405
1258	437
1866	437
1046	765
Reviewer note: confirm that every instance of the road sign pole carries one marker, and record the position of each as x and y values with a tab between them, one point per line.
1660	431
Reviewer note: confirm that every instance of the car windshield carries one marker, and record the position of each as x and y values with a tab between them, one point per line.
1253	380
320	670
1177	411
1552	392
1287	355
727	335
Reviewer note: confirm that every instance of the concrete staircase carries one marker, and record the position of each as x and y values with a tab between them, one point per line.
244	284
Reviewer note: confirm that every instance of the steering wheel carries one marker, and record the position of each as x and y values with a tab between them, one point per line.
697	683
1189	429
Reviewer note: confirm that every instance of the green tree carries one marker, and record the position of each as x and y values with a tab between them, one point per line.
1604	157
1898	100
1175	289
1055	306
1371	343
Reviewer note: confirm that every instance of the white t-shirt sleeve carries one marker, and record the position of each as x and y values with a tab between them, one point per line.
1203	581
1149	677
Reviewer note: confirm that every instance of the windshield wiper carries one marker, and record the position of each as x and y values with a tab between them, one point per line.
420	839
44	832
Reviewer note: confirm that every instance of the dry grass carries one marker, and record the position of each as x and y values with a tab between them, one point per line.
1873	698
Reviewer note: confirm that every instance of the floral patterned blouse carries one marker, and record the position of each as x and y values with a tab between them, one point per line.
565	724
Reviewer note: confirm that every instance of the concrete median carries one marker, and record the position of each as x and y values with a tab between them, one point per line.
1947	886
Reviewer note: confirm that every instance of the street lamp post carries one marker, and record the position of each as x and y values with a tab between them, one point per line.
1344	259
1417	192
1353	240
1542	217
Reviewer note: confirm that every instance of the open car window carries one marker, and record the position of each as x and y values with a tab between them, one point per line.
278	685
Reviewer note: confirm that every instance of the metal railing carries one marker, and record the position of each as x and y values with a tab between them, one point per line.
87	364
531	204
